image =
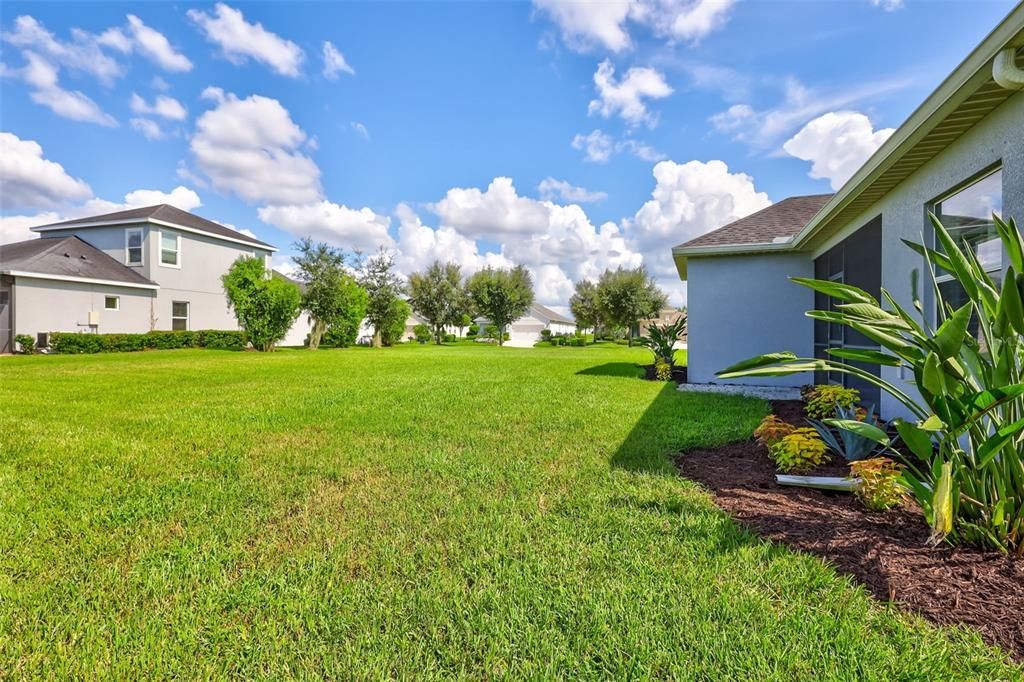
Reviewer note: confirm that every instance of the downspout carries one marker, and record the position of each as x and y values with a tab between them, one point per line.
1005	71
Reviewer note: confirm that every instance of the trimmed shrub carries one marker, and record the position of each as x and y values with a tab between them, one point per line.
771	430
73	343
545	334
450	338
474	329
579	341
800	451
27	343
663	370
879	488
421	332
824	400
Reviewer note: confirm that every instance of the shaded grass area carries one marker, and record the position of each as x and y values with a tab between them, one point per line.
426	511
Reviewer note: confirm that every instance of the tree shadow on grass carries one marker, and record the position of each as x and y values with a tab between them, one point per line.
629	370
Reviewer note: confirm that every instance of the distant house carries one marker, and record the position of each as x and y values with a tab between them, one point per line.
960	155
526	331
665	316
131	271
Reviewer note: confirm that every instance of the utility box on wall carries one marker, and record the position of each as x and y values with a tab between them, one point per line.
94	318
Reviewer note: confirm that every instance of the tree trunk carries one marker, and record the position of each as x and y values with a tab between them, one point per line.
376	338
316	334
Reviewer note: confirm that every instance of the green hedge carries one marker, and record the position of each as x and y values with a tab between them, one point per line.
67	342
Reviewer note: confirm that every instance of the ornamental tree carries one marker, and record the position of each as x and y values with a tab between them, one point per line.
502	295
266	307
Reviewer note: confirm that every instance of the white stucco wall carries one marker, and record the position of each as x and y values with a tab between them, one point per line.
742	306
53	306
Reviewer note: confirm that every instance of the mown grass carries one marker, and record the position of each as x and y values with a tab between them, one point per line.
428	512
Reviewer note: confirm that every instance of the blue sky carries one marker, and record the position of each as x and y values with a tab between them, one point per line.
569	137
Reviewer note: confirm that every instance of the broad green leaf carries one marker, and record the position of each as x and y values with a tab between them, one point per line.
863	429
1010	304
950	335
994	443
776	370
960	267
983	400
1011	241
934	256
871	357
942	504
844	292
932	423
932	378
760	361
916	438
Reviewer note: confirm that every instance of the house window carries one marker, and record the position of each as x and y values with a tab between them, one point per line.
133	246
112	303
967	215
179	316
170	247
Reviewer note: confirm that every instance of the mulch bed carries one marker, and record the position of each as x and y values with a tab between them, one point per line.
678	374
885	551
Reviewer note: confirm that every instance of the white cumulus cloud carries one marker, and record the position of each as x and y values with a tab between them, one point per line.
597	146
836	144
499	210
147	41
586	26
31	181
240	40
251	147
163	106
334	62
688	200
337	224
552	189
626	97
150	129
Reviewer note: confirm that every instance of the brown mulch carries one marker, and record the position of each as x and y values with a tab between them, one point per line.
885	551
678	374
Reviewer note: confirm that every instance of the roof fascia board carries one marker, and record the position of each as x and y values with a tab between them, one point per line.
82	280
949	95
154	221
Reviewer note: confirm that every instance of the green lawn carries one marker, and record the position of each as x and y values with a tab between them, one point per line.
412	512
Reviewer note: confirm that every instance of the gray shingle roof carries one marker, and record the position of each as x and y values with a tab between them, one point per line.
783	219
166	213
543	312
66	257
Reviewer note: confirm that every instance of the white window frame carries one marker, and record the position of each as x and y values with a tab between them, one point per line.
177	249
117	302
142	246
187	318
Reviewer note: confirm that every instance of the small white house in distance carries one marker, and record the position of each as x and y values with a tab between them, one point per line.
960	155
526	331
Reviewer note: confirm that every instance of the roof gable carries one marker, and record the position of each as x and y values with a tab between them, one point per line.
163	213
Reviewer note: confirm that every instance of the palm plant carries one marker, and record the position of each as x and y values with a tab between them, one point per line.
661	340
969	418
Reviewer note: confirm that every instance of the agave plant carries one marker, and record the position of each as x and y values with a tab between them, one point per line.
969	419
852	445
662	339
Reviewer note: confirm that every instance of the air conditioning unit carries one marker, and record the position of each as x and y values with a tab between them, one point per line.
43	340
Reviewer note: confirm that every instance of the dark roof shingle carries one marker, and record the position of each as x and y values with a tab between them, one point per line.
780	220
66	257
166	213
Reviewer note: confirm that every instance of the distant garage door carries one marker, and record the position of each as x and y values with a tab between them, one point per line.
524	335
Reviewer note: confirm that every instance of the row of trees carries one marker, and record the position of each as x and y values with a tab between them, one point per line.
443	299
618	300
340	290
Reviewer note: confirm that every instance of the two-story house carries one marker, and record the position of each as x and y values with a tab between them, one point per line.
132	271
